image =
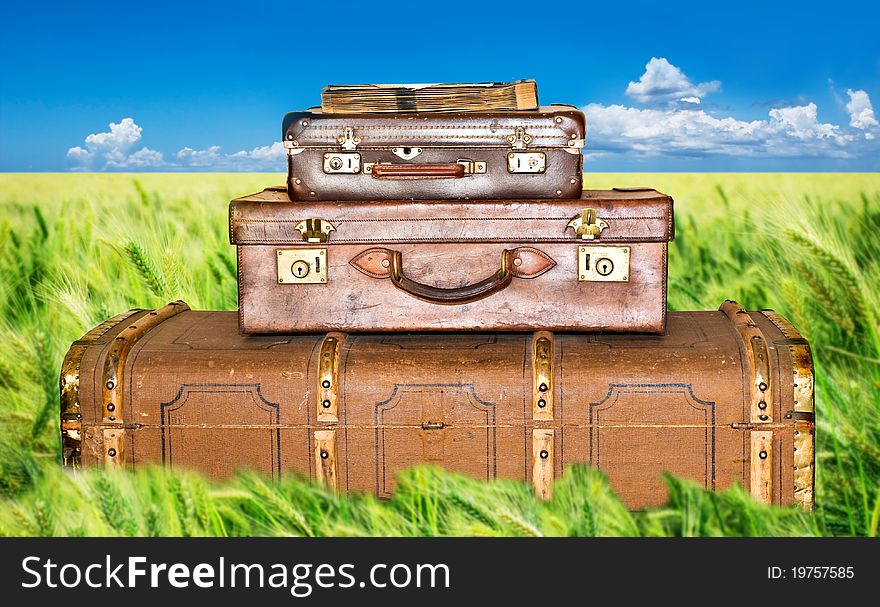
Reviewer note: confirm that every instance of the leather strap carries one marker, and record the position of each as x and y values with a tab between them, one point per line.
523	262
418	171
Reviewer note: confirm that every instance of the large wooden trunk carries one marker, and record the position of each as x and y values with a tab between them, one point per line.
597	262
433	155
723	397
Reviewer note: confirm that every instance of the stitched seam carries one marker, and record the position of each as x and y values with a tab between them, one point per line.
626	239
414	219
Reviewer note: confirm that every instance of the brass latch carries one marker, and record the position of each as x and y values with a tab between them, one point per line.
433	425
589	225
348	140
520	139
315	230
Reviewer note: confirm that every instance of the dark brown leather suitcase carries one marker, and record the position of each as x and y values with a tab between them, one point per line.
724	397
593	263
434	155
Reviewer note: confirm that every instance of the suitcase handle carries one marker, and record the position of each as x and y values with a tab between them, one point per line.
452	170
523	262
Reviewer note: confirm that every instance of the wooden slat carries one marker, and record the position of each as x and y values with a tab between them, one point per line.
761	484
328	377
542	462
542	376
325	459
114	442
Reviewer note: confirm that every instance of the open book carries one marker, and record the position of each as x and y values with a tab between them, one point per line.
365	98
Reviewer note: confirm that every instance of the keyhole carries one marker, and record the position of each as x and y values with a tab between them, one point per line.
300	268
604	266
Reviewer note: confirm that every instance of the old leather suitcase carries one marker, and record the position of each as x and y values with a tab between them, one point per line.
723	397
497	154
597	262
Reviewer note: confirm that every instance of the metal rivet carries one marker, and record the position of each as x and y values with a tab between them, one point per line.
558	119
305	123
111	407
797	432
290	136
788	416
559	192
112	419
572	181
324	454
326	383
111	452
110	385
542	387
326	404
517	261
311	193
297	181
762	405
762	387
542	403
763	418
544	454
763	455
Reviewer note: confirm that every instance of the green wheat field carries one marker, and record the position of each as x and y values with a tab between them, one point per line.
77	249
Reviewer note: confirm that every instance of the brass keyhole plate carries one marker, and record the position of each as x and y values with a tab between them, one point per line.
603	264
302	265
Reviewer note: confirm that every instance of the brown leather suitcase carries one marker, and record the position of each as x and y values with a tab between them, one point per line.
593	263
434	155
723	397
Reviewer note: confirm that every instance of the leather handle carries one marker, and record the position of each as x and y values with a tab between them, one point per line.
418	171
523	262
457	295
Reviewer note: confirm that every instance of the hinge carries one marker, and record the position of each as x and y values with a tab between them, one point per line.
588	225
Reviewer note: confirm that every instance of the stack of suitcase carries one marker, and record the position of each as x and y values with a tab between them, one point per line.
438	288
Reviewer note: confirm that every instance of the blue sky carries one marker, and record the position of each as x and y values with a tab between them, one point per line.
690	86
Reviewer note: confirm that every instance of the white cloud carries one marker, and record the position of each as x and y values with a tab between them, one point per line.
787	132
110	149
861	112
259	158
663	82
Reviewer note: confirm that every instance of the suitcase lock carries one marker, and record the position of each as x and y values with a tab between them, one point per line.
603	264
588	225
526	162
302	266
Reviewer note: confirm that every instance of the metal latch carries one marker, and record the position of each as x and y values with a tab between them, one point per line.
603	264
589	225
520	139
433	425
348	140
526	162
342	162
472	167
302	266
315	230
